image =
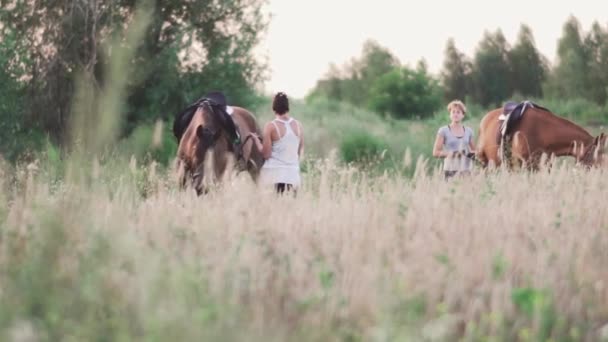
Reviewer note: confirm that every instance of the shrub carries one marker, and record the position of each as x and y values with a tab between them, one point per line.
405	94
145	146
361	147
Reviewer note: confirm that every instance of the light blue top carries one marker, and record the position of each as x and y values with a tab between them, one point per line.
453	143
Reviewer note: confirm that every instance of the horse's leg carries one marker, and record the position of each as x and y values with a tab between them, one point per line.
181	173
253	170
520	150
220	162
255	164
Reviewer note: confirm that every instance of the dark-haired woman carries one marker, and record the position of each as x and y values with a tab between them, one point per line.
282	147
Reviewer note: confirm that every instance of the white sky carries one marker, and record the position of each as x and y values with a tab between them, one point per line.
305	36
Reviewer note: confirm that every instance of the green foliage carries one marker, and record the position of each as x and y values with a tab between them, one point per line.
406	93
528	67
582	68
151	142
499	266
188	49
569	77
352	83
491	72
456	74
361	147
596	44
528	300
17	134
579	110
536	303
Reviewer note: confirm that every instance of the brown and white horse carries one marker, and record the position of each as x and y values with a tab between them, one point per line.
207	132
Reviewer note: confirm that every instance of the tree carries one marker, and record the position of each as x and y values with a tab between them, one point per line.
329	86
352	82
406	93
596	46
456	74
491	72
190	47
15	137
569	77
375	62
528	66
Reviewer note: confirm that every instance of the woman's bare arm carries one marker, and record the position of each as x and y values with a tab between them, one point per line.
267	141
438	147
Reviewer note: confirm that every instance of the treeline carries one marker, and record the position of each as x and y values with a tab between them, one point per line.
189	47
496	72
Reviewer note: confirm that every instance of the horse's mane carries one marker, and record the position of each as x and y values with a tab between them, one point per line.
184	118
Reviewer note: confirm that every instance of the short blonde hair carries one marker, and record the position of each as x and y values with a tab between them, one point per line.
457	104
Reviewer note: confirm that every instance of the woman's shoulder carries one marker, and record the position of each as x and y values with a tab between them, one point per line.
443	130
469	130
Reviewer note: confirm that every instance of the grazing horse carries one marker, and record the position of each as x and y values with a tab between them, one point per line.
210	131
522	133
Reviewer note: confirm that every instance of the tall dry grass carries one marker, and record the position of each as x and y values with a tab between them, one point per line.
111	251
123	255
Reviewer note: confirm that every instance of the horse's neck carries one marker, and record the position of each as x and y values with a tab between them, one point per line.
563	133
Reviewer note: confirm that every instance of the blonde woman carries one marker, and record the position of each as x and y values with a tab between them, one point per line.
455	142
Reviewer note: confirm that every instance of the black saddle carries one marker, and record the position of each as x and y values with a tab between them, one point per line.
512	112
217	101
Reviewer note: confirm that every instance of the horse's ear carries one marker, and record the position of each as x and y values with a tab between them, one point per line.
600	140
597	139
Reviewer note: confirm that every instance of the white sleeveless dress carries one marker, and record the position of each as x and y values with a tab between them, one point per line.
283	166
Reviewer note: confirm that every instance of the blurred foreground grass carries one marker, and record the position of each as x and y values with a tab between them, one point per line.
119	254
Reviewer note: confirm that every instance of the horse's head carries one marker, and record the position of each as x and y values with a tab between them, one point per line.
593	154
204	132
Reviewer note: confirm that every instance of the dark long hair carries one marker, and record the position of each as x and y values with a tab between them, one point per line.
280	104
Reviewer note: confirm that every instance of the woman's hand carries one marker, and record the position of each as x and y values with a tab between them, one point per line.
257	141
455	154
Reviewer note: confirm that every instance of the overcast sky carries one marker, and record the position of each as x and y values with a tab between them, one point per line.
305	36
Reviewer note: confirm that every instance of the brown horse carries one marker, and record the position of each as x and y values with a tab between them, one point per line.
207	132
535	132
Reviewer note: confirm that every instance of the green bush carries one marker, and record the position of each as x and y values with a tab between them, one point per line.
579	110
361	147
405	93
146	147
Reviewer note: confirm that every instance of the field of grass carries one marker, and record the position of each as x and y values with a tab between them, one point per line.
100	245
116	253
108	249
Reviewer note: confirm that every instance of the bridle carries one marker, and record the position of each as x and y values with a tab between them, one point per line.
589	156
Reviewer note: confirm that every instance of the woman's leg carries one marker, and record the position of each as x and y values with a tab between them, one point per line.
280	187
449	174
